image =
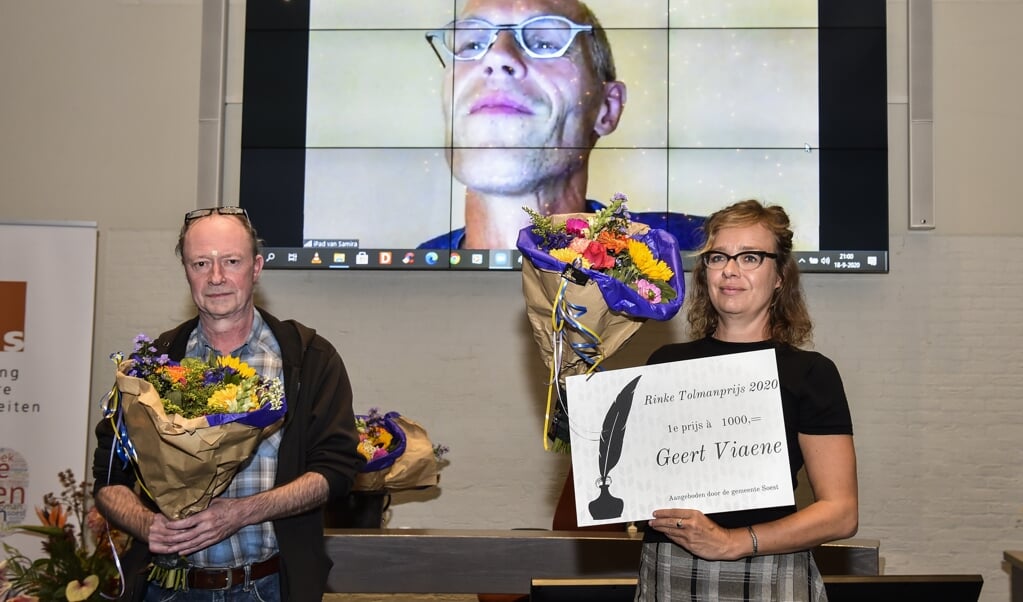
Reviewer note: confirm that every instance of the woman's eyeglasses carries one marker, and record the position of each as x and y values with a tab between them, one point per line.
747	260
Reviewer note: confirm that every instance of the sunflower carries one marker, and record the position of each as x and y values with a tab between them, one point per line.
224	400
643	259
227	361
567	255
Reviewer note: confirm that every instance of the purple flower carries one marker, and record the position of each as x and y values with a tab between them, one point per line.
557	240
622	211
374	417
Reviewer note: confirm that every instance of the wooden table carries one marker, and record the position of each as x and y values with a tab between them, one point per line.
1015	560
467	561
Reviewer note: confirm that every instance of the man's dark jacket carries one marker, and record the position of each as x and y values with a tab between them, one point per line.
319	436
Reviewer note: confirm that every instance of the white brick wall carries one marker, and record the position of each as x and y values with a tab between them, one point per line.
930	358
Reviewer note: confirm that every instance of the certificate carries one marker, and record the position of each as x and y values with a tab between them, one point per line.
706	433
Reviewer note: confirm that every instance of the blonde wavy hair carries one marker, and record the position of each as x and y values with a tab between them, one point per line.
788	317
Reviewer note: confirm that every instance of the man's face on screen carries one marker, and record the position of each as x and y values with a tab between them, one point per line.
516	122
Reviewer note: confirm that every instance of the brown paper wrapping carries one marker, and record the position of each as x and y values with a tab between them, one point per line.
615	330
415	468
184	463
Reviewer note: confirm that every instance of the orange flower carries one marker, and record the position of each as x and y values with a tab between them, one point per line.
176	374
614	243
52	516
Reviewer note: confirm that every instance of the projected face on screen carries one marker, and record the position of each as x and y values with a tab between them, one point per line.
707	103
526	104
696	98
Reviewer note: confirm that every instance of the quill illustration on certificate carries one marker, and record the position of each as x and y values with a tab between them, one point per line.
612	435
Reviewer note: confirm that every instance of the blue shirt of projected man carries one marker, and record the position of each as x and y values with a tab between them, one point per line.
686	228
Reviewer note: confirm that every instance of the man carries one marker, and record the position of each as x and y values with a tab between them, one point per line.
268	525
530	87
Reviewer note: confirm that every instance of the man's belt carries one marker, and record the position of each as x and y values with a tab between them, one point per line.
210	578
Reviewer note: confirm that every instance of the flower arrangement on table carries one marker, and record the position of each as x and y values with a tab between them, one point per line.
375	440
398	451
77	566
186	427
591	280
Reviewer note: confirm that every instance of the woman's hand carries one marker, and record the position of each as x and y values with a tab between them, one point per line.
701	536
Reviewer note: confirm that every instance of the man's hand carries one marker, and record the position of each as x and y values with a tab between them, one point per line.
225	516
199	531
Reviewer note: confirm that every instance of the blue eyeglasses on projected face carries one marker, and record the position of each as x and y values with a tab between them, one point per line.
540	37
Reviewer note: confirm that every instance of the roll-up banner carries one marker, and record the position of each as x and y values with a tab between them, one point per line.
47	298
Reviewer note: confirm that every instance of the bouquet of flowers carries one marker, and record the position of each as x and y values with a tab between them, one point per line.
77	566
590	282
186	427
398	451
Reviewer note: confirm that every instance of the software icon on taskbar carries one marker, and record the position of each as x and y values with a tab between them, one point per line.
500	259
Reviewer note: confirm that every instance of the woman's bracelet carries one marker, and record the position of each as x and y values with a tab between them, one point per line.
753	536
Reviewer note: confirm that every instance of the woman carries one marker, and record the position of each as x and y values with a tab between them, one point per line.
746	296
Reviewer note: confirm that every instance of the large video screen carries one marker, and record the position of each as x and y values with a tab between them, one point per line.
350	126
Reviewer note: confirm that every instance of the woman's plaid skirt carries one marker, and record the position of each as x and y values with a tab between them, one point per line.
668	573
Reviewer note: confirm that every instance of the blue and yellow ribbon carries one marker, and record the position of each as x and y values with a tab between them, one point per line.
123	447
566	315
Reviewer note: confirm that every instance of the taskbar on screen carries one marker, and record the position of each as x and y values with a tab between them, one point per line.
305	258
857	262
